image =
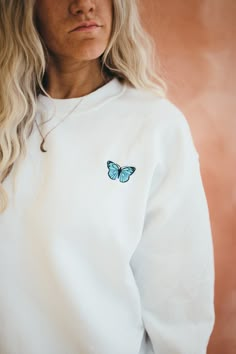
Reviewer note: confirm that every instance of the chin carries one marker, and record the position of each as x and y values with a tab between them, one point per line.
90	51
89	57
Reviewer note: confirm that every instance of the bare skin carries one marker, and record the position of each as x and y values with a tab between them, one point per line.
73	66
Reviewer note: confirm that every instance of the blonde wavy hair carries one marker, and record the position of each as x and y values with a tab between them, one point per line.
23	63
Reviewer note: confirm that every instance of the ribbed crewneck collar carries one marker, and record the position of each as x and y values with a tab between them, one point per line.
93	100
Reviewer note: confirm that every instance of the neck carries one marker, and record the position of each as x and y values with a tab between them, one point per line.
73	79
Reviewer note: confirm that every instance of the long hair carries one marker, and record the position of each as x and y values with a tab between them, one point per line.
23	63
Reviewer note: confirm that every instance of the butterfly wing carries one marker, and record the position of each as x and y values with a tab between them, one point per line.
113	170
125	173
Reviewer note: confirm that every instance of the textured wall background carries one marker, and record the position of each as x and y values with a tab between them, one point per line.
196	41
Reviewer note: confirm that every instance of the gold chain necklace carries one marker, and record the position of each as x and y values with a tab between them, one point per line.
61	121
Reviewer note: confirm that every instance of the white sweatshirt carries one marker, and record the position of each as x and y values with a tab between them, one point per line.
95	265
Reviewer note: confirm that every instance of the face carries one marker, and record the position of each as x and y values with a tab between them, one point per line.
56	21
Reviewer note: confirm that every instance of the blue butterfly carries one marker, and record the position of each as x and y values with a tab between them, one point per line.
123	173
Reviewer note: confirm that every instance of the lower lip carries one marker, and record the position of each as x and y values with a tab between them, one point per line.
86	29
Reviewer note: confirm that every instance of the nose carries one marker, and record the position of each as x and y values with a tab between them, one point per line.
82	7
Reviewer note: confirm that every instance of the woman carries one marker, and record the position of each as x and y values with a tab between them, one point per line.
105	236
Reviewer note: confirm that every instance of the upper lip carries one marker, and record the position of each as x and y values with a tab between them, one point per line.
86	24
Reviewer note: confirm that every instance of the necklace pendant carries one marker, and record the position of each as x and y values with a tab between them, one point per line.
42	147
44	138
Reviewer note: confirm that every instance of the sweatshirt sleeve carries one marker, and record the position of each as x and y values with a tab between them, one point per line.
173	262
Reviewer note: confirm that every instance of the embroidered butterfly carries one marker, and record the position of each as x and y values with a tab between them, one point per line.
123	173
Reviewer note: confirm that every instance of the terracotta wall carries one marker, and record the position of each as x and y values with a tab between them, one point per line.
196	41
